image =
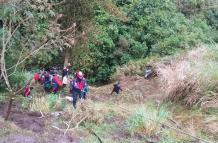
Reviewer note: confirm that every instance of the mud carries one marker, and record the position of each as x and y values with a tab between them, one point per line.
18	138
58	137
25	120
135	85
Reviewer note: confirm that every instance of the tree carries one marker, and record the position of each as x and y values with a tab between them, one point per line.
77	15
27	28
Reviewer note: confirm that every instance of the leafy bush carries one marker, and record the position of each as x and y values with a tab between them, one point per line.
152	28
121	31
55	102
18	79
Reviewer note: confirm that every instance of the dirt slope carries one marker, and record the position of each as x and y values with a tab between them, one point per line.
133	87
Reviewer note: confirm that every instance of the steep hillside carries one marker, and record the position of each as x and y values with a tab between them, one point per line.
139	114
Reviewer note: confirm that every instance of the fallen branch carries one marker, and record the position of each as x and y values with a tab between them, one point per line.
30	54
68	124
42	115
177	124
68	128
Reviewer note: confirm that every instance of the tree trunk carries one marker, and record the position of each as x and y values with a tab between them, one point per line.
67	56
9	108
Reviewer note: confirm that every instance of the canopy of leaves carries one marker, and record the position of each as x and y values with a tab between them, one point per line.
26	26
116	31
152	27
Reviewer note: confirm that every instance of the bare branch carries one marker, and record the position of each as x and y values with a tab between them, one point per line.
77	125
60	3
3	67
12	33
15	69
68	124
70	28
42	115
31	54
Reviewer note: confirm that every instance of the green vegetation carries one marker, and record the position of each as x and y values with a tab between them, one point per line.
193	80
107	33
49	103
110	40
151	28
148	120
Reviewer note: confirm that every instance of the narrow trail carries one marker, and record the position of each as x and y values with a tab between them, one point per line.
135	88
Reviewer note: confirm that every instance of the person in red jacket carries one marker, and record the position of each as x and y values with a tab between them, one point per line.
77	86
36	76
27	91
56	83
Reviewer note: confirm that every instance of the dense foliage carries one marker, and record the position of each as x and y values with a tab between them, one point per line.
27	27
150	27
113	32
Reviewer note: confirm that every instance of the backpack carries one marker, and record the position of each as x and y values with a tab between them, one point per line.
36	76
27	91
47	77
57	80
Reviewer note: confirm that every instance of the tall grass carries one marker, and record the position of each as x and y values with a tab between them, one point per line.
190	77
47	103
146	120
40	104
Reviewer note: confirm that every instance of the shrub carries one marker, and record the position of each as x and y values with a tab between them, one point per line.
18	80
134	67
55	102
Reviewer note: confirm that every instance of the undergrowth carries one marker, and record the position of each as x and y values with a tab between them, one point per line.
47	103
132	68
146	120
191	78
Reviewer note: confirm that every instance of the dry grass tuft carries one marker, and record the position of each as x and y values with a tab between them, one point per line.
185	78
86	108
40	104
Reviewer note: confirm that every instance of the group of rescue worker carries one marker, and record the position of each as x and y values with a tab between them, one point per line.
78	85
51	82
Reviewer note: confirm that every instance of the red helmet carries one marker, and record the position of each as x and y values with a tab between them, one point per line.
79	75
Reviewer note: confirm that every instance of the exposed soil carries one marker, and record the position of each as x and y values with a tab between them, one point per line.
59	137
132	86
138	87
19	138
31	121
25	120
